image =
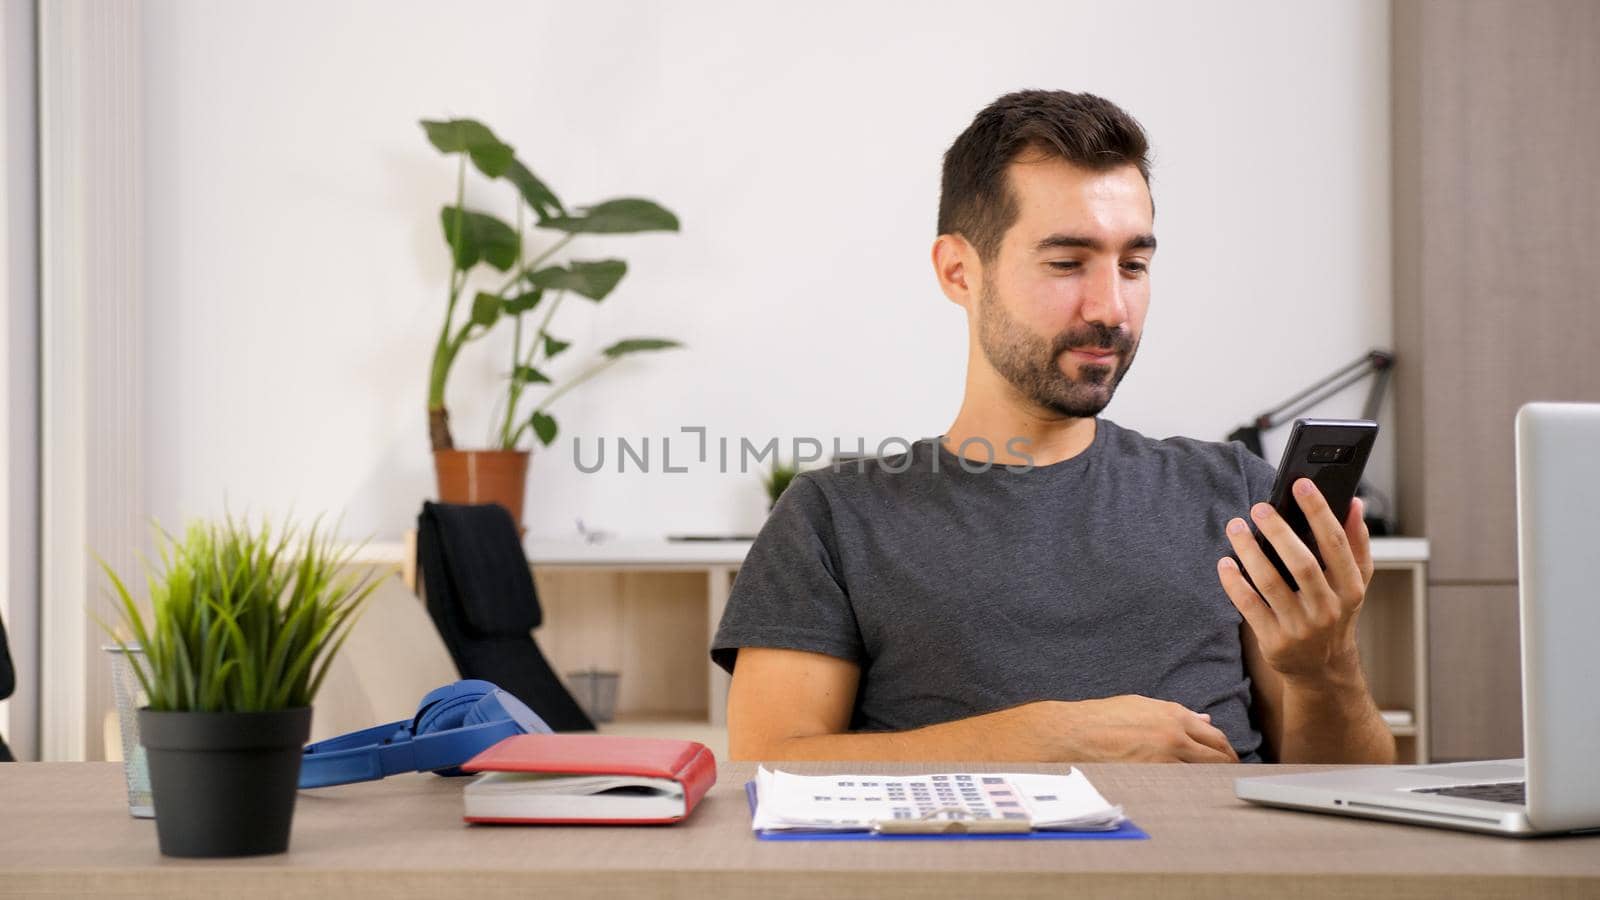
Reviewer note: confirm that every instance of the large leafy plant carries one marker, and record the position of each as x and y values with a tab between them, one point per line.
480	239
241	619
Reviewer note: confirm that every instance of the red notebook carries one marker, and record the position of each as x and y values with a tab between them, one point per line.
595	779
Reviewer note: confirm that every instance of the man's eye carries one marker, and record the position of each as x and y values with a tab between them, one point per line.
1137	266
1065	265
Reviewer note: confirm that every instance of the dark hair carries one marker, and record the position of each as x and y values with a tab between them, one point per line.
975	199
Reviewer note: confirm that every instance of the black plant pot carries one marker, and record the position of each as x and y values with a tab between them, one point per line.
224	783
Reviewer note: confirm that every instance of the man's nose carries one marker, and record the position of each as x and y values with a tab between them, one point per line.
1102	299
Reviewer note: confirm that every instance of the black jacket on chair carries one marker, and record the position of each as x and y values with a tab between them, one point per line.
481	597
8	675
8	683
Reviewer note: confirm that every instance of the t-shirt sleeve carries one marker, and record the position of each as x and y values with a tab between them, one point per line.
1258	475
789	593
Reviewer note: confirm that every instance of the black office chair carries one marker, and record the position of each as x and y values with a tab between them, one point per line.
481	597
8	684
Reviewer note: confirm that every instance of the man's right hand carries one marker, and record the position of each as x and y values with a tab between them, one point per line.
1129	728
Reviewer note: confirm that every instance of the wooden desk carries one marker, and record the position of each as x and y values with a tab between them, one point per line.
66	832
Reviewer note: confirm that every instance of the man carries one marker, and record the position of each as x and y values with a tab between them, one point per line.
1040	583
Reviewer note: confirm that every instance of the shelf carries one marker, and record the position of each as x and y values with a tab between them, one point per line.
612	603
647	552
1401	722
613	553
1399	550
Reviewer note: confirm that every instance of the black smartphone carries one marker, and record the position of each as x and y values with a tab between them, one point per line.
1332	453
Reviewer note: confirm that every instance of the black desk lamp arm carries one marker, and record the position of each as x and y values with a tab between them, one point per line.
1377	363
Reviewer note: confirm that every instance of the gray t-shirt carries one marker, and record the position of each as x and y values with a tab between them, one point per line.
959	593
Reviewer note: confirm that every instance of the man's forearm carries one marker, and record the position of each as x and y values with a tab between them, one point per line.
1333	720
993	736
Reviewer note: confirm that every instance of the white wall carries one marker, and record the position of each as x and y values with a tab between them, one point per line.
8	41
19	382
296	275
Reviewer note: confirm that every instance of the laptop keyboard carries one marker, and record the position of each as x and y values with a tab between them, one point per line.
1513	792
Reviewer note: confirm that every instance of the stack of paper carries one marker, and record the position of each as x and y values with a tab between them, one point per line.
788	802
527	795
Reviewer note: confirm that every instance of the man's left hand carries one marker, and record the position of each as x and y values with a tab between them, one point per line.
1309	635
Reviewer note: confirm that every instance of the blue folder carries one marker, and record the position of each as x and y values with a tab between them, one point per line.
1127	831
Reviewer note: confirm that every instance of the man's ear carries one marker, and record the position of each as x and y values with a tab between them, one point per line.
955	264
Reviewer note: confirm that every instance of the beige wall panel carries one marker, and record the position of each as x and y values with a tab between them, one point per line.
1406	229
1474	673
1497	286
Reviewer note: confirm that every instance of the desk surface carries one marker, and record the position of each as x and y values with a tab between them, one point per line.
65	831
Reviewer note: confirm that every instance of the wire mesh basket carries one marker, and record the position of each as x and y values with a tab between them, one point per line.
130	696
596	692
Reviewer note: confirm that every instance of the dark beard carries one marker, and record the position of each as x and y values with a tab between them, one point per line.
1029	361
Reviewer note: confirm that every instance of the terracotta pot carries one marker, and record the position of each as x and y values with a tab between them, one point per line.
483	476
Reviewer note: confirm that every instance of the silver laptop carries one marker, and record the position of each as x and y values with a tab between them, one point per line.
1554	789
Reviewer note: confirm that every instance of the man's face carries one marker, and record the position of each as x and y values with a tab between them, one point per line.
1062	305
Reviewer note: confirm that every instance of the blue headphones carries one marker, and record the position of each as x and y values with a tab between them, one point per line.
452	725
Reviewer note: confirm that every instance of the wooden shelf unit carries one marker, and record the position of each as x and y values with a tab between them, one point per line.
648	610
1393	636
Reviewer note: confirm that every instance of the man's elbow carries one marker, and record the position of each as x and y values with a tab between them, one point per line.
778	699
744	747
749	742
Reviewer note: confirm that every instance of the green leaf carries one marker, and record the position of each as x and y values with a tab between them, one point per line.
516	306
482	237
638	345
544	426
593	279
553	346
528	375
538	195
623	215
491	155
485	309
